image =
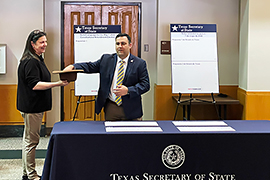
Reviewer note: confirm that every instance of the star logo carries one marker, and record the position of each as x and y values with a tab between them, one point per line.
78	29
174	28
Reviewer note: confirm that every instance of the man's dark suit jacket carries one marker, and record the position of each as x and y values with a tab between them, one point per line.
136	80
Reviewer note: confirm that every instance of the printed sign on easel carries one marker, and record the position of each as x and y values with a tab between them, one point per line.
90	42
194	58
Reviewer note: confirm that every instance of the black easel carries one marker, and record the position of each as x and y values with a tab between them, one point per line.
78	102
189	106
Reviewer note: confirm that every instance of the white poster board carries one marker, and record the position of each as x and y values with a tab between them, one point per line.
90	42
194	58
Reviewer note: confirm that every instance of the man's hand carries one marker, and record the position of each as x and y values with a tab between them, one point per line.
120	90
69	68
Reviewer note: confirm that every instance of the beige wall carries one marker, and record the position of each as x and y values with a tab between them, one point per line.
254	73
15	25
258	46
243	44
254	45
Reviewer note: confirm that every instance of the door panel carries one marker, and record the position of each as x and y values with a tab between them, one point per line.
76	14
127	17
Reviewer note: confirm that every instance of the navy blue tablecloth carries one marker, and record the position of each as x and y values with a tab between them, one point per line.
84	150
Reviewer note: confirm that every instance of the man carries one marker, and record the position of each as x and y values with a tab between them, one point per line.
120	96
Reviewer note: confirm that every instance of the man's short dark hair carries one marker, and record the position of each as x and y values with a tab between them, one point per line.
123	35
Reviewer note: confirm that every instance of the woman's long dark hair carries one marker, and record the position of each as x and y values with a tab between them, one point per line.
29	52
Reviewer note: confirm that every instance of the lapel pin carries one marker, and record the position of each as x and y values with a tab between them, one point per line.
131	60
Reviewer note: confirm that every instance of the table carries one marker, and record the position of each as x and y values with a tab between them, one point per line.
203	100
195	150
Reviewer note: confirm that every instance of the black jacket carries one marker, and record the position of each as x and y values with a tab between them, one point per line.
30	72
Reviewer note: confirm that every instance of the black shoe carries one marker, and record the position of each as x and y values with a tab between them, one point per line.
25	177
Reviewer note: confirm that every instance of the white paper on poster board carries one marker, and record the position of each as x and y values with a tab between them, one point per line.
194	58
90	43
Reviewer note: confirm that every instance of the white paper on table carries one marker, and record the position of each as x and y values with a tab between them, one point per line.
130	123
205	129
199	123
133	129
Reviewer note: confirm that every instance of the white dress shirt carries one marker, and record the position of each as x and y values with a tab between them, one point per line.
113	86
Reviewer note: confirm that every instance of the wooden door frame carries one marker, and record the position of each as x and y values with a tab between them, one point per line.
63	3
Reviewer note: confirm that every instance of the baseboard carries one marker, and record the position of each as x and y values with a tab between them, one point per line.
17	154
17	130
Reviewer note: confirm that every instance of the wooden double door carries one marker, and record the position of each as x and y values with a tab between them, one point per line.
125	14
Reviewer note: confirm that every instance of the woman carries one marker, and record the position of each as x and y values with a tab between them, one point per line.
33	97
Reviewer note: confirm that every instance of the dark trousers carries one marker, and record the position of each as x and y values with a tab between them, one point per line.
113	112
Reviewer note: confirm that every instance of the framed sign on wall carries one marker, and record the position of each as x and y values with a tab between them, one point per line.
3	58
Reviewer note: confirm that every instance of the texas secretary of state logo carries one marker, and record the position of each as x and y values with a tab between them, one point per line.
173	156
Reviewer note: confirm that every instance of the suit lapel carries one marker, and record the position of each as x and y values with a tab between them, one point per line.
129	67
114	59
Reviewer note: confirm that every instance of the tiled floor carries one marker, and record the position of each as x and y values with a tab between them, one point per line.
9	143
11	169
